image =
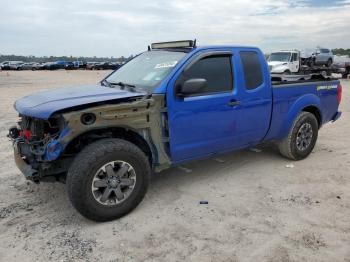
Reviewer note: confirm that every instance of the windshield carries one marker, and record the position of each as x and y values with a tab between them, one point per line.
146	70
280	57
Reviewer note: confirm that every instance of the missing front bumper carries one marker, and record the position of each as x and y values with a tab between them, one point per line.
26	169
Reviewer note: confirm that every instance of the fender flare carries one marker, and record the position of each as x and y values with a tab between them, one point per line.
305	101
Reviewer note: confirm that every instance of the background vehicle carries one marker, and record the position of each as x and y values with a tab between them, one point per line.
169	105
103	66
320	56
11	65
30	66
70	66
54	65
50	66
90	65
80	64
323	56
286	62
3	65
75	65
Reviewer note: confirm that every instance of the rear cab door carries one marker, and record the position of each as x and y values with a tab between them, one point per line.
255	96
233	111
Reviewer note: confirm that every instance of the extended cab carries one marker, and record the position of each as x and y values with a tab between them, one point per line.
174	103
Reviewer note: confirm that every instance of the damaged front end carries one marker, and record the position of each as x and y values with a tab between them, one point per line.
36	144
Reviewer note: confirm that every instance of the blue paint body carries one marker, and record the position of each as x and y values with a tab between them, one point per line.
55	147
204	125
44	104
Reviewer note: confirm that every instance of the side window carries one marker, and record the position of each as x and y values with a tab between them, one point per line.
216	70
295	57
252	69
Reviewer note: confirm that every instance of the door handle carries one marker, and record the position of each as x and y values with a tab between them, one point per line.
233	103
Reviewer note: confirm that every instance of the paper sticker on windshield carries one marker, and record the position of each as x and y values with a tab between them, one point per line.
166	64
327	87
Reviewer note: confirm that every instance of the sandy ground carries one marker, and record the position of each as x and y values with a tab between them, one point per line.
259	209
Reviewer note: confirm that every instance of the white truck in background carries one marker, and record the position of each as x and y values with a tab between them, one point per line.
284	62
295	64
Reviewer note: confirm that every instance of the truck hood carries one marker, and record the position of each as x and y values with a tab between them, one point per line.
44	104
276	63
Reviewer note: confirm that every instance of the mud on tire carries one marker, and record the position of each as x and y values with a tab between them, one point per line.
298	144
98	161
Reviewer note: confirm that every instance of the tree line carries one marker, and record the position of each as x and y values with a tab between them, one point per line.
341	51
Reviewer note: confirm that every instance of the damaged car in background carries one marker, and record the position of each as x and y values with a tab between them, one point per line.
174	103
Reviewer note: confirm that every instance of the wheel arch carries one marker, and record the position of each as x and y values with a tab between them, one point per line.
316	112
135	137
309	103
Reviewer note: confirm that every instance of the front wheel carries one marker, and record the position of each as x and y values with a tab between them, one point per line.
301	138
108	179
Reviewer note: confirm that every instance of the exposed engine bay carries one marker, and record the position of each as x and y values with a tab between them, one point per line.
32	137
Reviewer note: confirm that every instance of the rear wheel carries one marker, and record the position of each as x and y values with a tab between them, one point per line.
287	72
301	138
108	179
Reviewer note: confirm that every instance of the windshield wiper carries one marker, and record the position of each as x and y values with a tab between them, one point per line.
122	84
112	84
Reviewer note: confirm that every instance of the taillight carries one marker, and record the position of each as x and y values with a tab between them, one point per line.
340	89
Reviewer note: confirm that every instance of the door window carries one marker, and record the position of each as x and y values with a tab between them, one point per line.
217	70
294	57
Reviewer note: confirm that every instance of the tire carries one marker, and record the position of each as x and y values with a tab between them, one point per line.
289	146
82	175
287	72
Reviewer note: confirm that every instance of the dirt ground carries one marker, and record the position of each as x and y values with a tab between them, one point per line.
261	207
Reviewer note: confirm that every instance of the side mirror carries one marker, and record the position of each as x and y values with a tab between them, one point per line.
192	86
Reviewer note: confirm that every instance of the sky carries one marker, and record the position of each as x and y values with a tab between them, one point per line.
115	28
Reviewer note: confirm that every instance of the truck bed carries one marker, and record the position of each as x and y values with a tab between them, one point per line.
291	97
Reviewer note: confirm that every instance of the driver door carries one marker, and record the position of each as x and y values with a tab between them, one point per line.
203	123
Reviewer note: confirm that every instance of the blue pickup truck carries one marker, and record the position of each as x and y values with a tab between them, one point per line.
175	102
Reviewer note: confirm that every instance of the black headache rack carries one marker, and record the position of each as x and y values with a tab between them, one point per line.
185	45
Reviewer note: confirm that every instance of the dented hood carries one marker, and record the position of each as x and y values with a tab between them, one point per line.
44	104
